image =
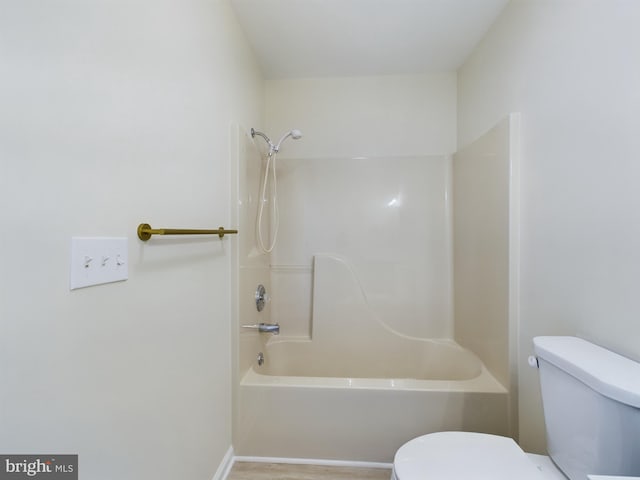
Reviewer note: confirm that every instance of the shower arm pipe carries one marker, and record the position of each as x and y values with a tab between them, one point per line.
272	147
145	232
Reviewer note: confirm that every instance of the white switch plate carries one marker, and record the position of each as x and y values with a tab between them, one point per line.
98	260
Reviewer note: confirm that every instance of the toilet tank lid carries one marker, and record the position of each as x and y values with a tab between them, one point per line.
606	372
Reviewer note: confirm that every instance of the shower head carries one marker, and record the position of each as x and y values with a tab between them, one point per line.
295	134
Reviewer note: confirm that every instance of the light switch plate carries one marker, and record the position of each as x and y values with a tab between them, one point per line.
98	260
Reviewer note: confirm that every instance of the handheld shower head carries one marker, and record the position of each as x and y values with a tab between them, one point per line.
270	169
295	134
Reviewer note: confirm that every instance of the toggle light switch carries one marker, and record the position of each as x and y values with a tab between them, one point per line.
85	272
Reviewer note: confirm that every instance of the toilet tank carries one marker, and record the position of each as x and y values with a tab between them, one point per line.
591	401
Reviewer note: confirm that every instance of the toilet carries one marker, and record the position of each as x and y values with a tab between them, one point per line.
591	402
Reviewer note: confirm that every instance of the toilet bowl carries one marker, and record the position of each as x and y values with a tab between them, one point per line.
591	399
465	455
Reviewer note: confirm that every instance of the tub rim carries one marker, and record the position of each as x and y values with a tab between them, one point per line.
485	382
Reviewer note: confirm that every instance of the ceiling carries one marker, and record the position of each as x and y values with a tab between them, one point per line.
311	38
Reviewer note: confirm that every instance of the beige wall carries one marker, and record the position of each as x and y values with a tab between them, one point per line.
571	69
364	116
114	113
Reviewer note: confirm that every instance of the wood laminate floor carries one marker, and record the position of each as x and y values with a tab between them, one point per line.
283	471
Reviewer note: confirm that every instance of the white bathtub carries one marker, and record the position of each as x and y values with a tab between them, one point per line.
355	404
398	358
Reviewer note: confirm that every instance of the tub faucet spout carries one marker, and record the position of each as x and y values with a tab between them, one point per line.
273	328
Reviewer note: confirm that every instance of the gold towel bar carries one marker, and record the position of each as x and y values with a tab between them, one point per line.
145	231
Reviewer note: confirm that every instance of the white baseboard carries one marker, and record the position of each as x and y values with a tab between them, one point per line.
313	461
225	465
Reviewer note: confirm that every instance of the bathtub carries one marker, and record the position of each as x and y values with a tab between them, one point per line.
398	358
354	403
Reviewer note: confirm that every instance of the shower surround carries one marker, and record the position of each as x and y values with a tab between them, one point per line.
361	283
389	218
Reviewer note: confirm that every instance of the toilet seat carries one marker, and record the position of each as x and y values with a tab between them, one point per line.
463	456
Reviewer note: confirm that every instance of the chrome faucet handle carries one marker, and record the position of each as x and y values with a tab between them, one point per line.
273	328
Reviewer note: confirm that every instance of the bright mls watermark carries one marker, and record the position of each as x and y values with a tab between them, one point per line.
45	467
